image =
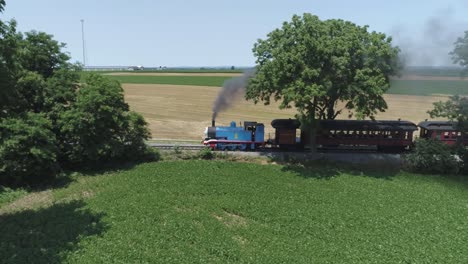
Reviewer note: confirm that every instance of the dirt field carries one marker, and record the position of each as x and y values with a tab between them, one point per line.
182	112
174	74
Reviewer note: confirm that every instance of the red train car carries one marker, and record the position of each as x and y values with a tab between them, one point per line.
383	134
444	131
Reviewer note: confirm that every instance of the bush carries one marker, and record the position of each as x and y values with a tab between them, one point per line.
149	154
27	150
99	127
206	154
432	156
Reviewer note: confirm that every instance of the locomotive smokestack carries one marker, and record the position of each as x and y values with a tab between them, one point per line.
213	123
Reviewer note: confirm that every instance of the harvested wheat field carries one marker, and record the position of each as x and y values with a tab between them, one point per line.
182	112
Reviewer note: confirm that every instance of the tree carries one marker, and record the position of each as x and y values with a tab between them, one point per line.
455	109
314	65
27	150
99	126
41	53
460	52
8	65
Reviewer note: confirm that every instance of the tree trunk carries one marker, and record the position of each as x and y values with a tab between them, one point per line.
313	135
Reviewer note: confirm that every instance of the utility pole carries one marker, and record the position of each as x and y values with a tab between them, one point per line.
82	37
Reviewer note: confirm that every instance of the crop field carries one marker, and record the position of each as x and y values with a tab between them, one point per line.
216	81
429	87
182	112
226	212
178	105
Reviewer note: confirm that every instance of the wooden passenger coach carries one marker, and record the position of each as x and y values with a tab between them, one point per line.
384	134
445	131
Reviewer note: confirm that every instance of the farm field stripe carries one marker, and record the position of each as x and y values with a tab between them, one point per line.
176	80
214	74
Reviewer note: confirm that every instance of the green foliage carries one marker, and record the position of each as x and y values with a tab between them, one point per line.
8	65
48	118
432	156
99	127
454	109
40	53
460	52
30	94
177	149
312	65
27	150
206	154
8	195
227	212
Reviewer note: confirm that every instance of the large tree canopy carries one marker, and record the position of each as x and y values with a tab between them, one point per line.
314	65
8	51
50	121
460	52
40	53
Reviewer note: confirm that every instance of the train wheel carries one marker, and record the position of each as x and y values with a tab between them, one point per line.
243	147
232	147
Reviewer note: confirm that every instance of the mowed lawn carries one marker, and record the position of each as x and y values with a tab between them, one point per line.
226	212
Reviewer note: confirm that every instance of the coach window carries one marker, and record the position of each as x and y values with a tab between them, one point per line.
446	135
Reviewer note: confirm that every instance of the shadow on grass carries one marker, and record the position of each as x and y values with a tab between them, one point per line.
45	235
105	168
322	168
327	170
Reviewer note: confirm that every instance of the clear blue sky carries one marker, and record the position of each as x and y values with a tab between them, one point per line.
215	32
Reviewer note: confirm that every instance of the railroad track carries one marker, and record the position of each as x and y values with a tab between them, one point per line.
176	146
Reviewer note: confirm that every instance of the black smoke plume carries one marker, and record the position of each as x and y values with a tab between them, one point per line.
232	90
434	41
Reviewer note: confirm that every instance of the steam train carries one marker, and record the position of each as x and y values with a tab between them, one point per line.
382	135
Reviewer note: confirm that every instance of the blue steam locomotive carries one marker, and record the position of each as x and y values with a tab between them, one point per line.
247	137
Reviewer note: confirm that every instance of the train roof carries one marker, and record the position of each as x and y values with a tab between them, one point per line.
438	125
368	125
286	123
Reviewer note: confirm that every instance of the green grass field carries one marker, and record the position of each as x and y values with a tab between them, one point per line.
426	87
176	80
434	71
7	195
226	212
409	87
